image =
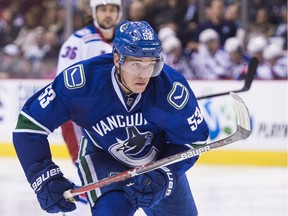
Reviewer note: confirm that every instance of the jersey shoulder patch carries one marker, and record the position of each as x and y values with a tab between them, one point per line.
178	95
74	77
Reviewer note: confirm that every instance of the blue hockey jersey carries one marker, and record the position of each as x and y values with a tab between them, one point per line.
163	120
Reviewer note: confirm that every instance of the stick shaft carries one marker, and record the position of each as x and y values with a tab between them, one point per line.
242	132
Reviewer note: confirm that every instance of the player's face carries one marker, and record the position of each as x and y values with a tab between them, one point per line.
107	15
136	72
213	45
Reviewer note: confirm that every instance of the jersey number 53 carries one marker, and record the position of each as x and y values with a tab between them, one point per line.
46	96
195	119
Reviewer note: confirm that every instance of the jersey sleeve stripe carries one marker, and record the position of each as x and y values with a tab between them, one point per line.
196	144
93	40
27	122
30	131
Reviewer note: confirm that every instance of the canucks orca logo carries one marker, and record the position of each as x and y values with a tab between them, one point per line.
129	151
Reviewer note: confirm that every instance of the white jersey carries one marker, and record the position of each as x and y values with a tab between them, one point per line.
82	44
181	64
236	70
208	66
280	68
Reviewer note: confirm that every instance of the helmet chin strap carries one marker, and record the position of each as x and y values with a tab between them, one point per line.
122	82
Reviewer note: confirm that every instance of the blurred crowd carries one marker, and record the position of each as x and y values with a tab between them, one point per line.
217	47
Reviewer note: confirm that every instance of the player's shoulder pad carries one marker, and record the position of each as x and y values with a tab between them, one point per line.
176	88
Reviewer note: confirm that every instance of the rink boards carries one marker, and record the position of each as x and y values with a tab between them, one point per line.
266	101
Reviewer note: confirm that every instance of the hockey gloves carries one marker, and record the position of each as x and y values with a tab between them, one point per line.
150	188
48	183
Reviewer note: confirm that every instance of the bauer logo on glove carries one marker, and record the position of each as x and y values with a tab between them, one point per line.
37	184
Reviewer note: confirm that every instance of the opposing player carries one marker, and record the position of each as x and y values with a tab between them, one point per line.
135	109
92	40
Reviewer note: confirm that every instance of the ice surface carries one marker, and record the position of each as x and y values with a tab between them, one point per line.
218	190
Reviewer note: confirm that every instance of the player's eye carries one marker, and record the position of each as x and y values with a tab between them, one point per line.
136	65
151	65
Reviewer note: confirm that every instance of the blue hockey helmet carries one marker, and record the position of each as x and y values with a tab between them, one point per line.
138	39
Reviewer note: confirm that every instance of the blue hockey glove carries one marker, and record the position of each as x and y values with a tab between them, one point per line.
150	188
48	183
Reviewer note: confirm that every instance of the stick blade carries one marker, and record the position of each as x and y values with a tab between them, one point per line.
252	68
243	115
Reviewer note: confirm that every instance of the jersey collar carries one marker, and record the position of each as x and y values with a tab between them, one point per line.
119	92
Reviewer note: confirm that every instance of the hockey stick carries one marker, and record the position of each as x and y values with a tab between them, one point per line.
252	67
242	132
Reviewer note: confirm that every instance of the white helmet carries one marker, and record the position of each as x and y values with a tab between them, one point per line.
207	35
166	32
232	44
256	44
272	51
171	43
95	3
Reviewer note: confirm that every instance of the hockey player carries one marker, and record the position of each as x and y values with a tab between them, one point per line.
92	40
135	109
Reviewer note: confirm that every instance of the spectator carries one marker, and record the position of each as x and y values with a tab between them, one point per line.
261	26
282	28
25	38
236	62
166	32
224	28
276	59
208	60
49	60
136	10
232	14
190	23
181	16
173	56
255	48
45	49
8	29
173	11
254	6
38	48
158	12
13	64
151	8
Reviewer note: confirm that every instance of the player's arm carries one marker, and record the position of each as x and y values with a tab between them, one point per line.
192	131
41	114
